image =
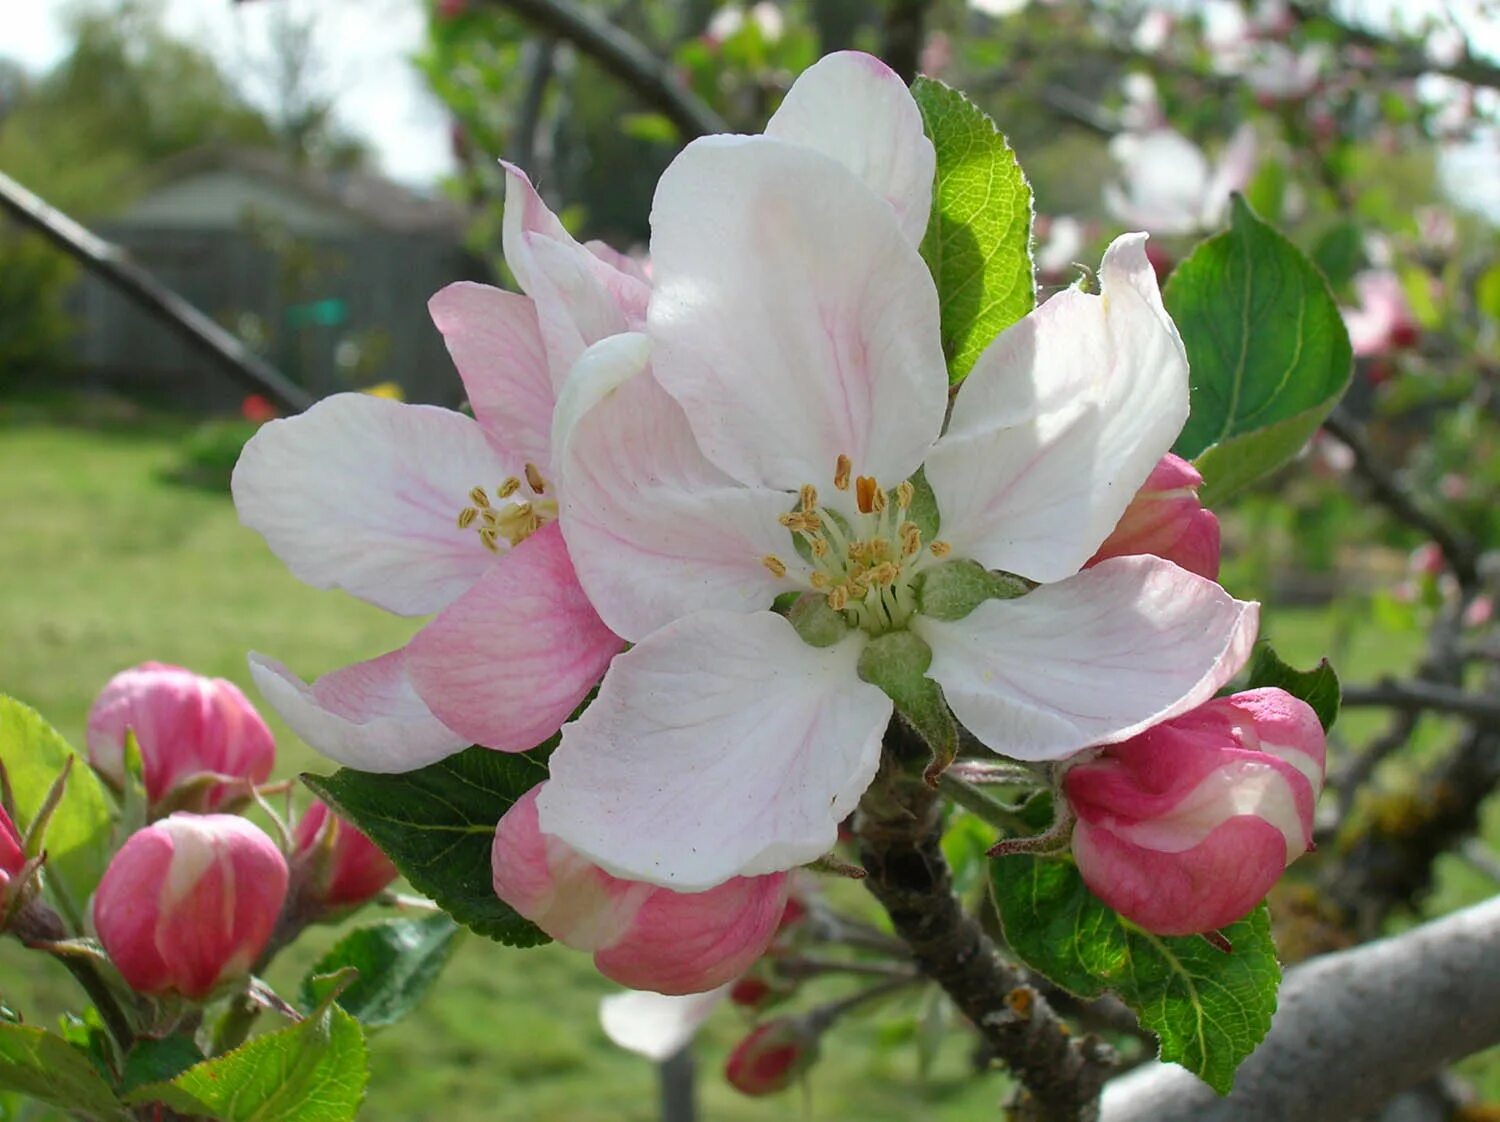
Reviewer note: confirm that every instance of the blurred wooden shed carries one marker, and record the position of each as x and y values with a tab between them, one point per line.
326	273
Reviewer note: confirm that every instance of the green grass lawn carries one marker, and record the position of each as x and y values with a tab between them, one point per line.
106	564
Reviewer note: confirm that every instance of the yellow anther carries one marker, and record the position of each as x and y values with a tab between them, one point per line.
911	539
819	546
534	479
885	573
509	487
905	494
479	498
842	469
466	517
809	496
877	501
490	518
488	537
940	549
858	551
818	579
879	549
864	493
520	509
775	564
838	598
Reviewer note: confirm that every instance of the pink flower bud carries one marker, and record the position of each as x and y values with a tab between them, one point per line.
12	855
1184	828
642	936
344	868
771	1057
186	725
1165	519
190	902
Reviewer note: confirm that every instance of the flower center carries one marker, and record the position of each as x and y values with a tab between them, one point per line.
513	515
865	563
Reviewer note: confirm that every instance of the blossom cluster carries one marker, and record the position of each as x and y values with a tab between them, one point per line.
717	517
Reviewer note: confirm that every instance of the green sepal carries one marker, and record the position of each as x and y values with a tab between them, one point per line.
954	589
897	663
817	623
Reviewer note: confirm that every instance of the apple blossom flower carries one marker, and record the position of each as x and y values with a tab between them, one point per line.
419	509
771	1056
1167	184
1383	321
781	430
341	867
731	19
1060	243
190	903
186	726
1184	828
641	936
1166	520
656	1025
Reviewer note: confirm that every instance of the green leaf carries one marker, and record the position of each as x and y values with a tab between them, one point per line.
156	1061
398	961
1267	347
1208	1008
978	241
438	824
1319	687
46	1067
314	1071
77	840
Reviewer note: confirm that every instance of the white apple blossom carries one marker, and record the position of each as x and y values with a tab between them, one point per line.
1167	184
783	426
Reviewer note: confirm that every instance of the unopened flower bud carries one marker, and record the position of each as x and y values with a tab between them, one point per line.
1166	520
190	903
642	936
771	1057
12	854
186	726
338	866
1184	828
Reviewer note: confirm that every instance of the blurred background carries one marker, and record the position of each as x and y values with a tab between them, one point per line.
308	172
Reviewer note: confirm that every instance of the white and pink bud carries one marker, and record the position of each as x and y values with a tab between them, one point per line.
771	1056
12	854
1166	520
1184	828
187	726
1383	321
338	866
190	903
642	936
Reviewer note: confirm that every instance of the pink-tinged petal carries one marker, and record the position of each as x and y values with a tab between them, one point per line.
366	716
655	1025
497	347
580	297
641	936
637	267
793	321
721	746
1165	181
1166	520
1090	660
507	662
1185	827
1060	422
654	529
855	108
1233	172
362	493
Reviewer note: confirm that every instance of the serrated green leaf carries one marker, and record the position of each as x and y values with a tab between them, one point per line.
314	1071
78	837
47	1068
978	241
398	962
438	824
1208	1008
157	1061
1319	687
1267	348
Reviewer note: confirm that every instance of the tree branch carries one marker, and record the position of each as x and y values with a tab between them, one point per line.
625	58
1414	61
1415	696
905	21
1351	1030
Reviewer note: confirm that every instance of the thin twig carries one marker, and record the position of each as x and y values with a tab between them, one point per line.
1415	696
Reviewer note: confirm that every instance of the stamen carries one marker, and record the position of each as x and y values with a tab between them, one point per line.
905	494
911	539
488	537
809	496
843	468
479	498
466	517
819	579
819	547
877	501
509	487
864	494
775	564
940	549
838	599
534	479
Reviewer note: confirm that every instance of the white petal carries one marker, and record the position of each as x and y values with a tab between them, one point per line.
1165	181
362	493
721	746
1090	660
855	108
654	529
365	716
793	321
656	1025
1060	422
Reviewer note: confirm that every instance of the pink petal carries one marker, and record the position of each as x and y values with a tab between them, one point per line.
1166	520
362	493
1090	660
366	716
792	319
508	661
1060	422
497	346
720	746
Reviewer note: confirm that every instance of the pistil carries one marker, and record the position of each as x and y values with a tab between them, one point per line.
509	517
